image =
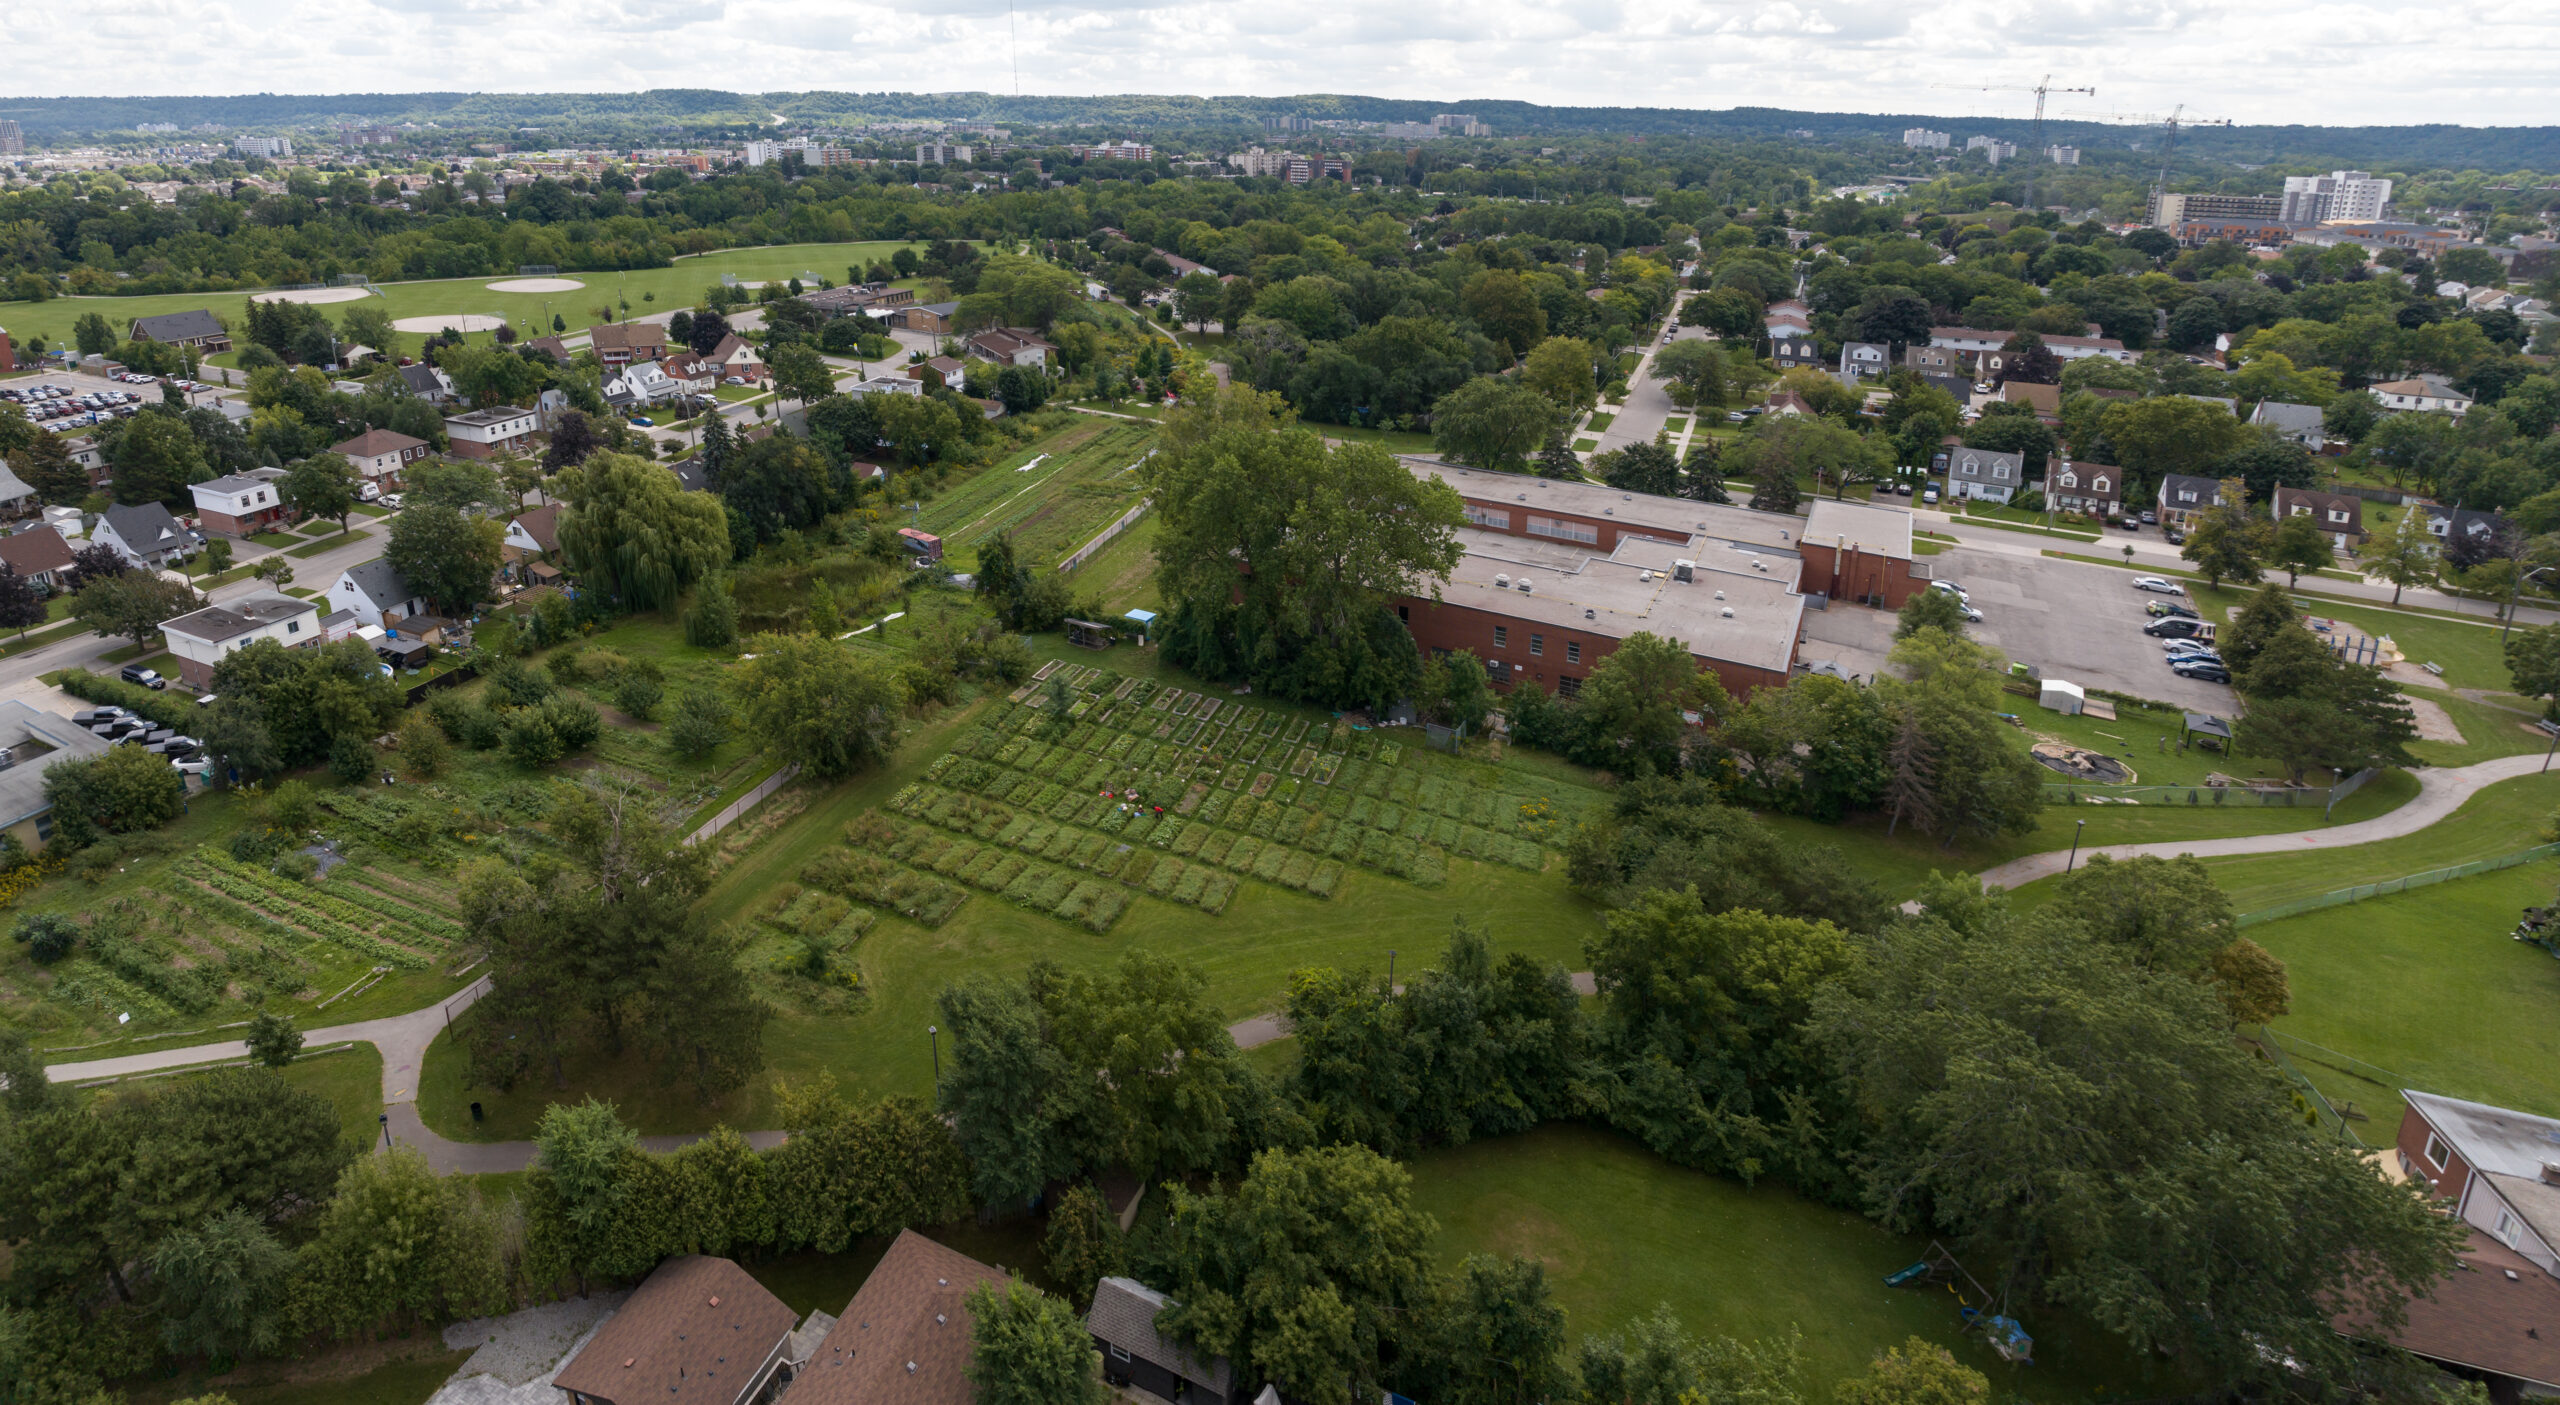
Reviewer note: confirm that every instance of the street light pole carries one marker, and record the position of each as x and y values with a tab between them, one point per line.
2076	827
933	1034
2514	586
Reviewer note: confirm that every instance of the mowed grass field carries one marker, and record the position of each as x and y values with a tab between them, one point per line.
1050	498
2429	986
679	285
1622	1231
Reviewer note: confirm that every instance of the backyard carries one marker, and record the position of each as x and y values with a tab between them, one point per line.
1622	1231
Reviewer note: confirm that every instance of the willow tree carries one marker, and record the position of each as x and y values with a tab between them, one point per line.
630	530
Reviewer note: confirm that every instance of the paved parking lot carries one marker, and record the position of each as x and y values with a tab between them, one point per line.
2072	621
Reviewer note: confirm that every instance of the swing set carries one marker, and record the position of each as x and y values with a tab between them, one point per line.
1974	1303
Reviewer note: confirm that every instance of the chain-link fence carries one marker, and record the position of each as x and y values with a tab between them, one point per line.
2388	886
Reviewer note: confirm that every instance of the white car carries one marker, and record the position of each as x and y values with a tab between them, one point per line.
391	501
1951	588
2156	583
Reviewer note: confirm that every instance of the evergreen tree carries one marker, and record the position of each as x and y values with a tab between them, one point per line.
1557	460
1702	477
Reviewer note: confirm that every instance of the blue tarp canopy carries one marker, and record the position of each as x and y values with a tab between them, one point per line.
1140	618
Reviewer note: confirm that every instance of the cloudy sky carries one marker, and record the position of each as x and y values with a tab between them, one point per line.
2334	62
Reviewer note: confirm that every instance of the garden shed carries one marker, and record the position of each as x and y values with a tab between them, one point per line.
2059	695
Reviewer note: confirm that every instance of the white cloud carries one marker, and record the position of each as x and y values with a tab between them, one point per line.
2343	62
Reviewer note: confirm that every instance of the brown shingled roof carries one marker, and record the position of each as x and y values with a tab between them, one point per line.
2497	1311
904	1339
695	1333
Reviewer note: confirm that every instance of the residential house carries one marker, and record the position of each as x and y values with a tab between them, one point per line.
536	530
32	740
690	475
621	343
428	383
2423	393
2184	496
1134	1354
1981	348
886	385
951	369
2468	524
39	554
381	455
2498	1170
376	594
240	504
2084	487
2045	400
905	1337
1794	351
697	1331
203	639
1786	402
144	534
691	374
197	328
1012	346
737	358
641	383
933	317
485	434
1862	359
552	347
1986	474
1787	318
1934	361
2303	424
92	460
2340	515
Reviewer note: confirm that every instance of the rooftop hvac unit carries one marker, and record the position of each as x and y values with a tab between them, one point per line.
1684	570
1591	614
1608	512
1503	581
1524	585
1759	565
1726	612
1719	595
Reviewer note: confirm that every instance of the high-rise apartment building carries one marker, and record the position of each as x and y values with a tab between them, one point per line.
943	153
2339	195
2063	155
1922	139
1992	147
11	143
272	148
2174	208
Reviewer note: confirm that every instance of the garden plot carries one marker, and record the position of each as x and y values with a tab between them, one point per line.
1087	482
1121	786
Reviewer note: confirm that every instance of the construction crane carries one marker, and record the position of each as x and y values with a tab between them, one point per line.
2169	124
2039	88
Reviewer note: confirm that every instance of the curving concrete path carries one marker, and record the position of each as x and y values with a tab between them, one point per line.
403	1039
2440	793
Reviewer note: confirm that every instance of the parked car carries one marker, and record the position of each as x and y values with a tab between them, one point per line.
2173	628
391	501
1929	494
1951	588
644	421
1971	615
148	678
368	492
1904	489
2173	536
2165	587
1735	417
2159	608
2149	516
2188	650
2202	671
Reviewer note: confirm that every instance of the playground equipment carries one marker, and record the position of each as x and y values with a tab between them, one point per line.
1974	1303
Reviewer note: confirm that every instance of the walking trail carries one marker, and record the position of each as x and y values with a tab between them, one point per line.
403	1039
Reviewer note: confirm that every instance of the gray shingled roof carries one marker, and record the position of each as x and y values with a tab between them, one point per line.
2288	419
380	584
179	326
1124	1314
238	617
146	527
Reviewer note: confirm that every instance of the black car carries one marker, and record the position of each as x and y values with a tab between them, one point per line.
148	678
96	716
2203	670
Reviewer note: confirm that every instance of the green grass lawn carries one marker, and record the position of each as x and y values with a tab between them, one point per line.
351	1079
1622	1231
330	542
679	285
1397	441
278	540
2428	985
405	1371
1601	420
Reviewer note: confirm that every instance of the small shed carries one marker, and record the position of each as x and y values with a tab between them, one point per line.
2064	697
2205	729
1144	621
1088	634
925	545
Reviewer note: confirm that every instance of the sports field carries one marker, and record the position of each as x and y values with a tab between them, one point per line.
649	290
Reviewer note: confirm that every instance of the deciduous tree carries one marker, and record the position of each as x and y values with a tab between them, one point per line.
630	530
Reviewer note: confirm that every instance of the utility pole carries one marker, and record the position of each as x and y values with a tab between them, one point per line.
2039	88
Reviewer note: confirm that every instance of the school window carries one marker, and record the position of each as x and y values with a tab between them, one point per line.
1502	636
2435	1151
1572	651
1489	517
1568	687
1562	530
1537	646
1405	613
